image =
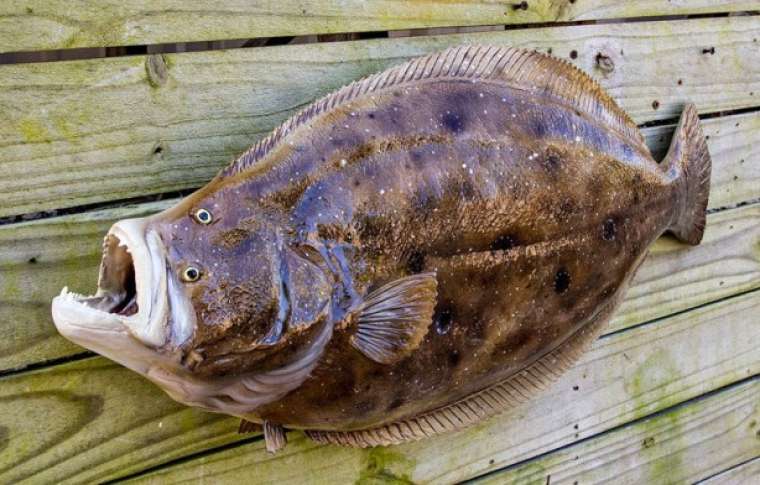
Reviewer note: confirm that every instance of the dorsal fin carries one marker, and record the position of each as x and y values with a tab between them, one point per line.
524	69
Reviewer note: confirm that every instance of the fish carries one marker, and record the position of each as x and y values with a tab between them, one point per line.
415	252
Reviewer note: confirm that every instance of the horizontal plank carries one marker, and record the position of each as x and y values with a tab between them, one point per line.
623	377
38	258
90	131
682	445
40	24
744	474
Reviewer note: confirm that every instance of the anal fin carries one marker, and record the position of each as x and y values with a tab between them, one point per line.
393	320
248	426
274	437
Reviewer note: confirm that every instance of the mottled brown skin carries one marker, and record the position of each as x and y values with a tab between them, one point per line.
533	215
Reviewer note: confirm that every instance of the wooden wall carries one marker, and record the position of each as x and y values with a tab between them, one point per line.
669	394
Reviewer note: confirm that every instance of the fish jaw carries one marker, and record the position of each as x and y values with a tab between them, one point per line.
128	318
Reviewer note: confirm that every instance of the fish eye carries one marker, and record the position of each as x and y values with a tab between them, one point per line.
190	274
203	216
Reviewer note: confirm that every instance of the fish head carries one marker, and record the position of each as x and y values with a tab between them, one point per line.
201	292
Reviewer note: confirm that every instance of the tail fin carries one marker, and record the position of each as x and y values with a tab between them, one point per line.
688	165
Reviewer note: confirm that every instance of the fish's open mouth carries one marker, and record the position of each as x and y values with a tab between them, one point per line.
117	288
131	298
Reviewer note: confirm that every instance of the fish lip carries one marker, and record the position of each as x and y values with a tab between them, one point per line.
76	316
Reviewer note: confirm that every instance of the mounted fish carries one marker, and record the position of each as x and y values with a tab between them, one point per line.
409	255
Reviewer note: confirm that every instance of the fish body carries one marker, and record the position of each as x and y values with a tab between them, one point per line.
415	252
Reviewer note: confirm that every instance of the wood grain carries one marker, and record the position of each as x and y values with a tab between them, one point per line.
682	445
90	131
41	24
39	258
623	377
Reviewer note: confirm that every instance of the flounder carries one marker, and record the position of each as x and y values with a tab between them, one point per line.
416	252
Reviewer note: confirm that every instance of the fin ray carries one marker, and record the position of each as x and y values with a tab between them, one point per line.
394	319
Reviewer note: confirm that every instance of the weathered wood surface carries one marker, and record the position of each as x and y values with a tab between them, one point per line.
44	24
623	377
89	131
744	474
682	445
38	258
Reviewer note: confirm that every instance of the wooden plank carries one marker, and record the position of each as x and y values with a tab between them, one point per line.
745	474
40	24
682	445
40	257
623	377
82	132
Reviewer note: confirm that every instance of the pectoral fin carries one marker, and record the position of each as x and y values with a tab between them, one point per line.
393	320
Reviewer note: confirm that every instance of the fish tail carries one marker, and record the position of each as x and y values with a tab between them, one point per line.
688	166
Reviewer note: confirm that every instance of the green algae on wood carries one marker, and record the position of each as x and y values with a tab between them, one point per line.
103	118
683	444
39	24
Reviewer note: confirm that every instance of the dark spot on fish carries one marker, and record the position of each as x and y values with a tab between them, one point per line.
454	358
561	281
566	208
363	407
575	388
415	263
232	238
443	320
503	243
539	128
680	82
552	161
608	230
710	50
452	122
520	6
371	116
655	104
32	260
573	54
397	402
549	50
158	150
357	182
416	155
607	292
